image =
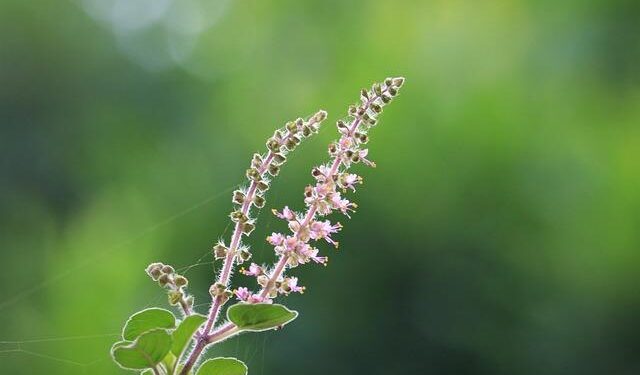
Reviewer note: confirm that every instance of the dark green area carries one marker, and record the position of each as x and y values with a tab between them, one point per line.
500	233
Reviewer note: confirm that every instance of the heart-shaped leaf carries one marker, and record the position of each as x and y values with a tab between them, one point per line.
222	366
259	316
182	335
146	320
145	352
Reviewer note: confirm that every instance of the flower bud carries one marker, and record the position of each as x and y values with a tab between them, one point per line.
393	91
398	82
175	296
320	116
377	89
154	270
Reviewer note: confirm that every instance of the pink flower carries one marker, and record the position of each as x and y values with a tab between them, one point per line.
342	204
293	285
307	252
350	180
276	239
286	214
242	293
323	229
254	270
291	243
256	298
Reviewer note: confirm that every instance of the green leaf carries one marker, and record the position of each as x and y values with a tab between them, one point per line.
145	352
260	316
182	335
222	366
146	320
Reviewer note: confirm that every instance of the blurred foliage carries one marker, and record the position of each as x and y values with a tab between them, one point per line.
498	235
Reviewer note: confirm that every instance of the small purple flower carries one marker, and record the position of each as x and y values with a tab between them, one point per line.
286	214
242	293
254	270
324	229
276	239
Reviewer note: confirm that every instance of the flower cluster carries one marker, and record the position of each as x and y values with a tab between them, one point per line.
322	198
332	181
262	168
175	284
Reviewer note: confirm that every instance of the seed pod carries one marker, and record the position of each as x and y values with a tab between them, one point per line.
238	217
253	174
279	158
291	126
376	108
163	280
263	185
273	145
238	197
220	251
168	269
256	161
181	281
274	170
244	255
290	144
248	227
258	201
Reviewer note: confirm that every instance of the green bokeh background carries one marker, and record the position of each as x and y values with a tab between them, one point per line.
498	235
